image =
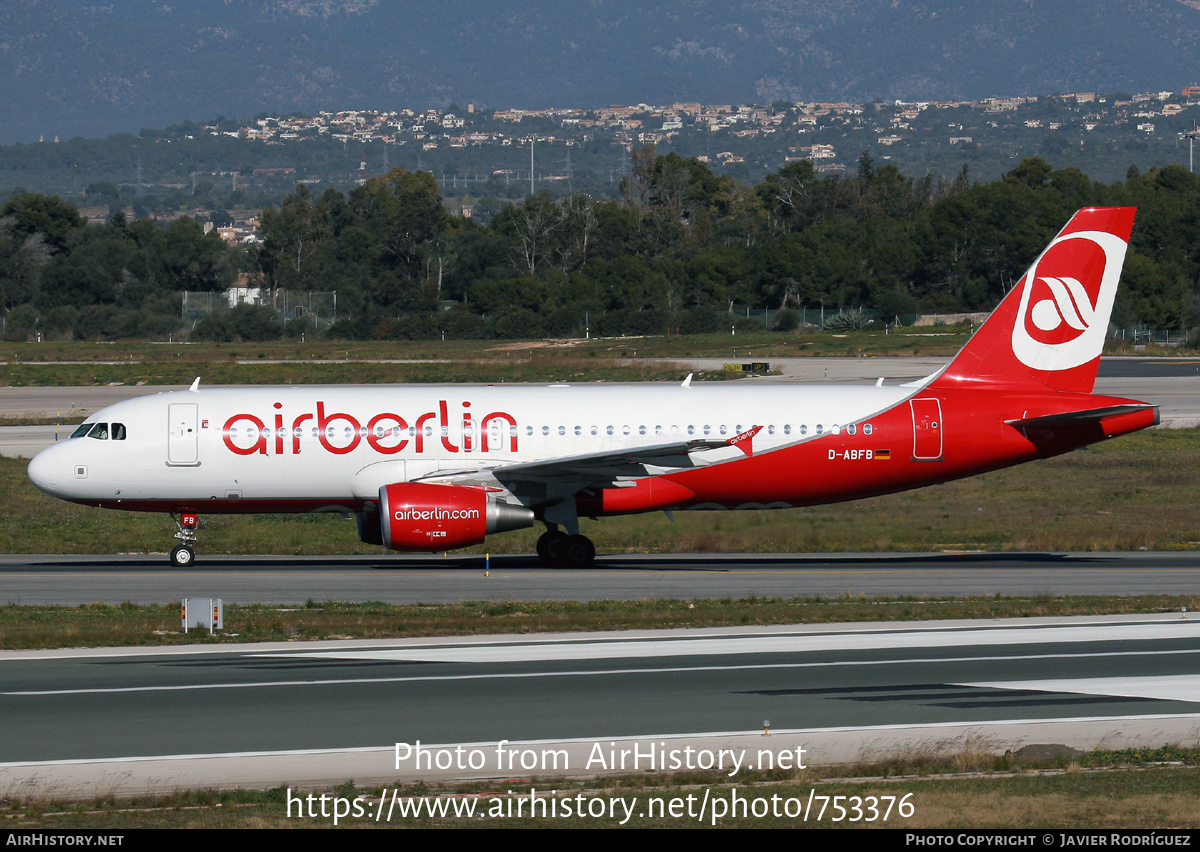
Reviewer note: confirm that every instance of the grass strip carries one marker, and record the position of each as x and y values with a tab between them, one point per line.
541	368
967	789
106	625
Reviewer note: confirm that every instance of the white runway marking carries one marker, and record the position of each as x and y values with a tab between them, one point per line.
1166	688
534	651
567	649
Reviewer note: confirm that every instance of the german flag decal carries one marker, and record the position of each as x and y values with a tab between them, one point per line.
883	454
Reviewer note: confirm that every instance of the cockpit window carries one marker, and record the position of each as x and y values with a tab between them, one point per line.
100	431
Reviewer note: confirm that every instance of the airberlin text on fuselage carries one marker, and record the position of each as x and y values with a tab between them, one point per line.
386	433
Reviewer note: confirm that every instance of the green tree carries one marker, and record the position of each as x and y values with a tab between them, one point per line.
289	243
47	215
189	259
102	192
531	229
403	212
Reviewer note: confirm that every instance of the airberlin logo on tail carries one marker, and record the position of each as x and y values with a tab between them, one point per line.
1067	308
1066	301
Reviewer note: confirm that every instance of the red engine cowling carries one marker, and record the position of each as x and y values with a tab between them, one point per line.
421	516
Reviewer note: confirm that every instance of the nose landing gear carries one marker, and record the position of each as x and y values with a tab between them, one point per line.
182	555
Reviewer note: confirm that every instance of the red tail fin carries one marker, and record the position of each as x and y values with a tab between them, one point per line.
1051	327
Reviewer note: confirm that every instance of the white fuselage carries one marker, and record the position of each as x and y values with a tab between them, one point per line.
334	447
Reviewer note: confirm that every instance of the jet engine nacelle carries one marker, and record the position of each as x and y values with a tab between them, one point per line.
421	516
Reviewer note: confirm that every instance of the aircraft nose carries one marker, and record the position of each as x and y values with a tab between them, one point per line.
47	472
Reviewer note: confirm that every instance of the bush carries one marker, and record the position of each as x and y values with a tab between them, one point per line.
460	324
248	323
787	320
851	320
520	323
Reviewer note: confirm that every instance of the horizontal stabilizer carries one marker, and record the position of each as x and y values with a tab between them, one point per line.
1079	418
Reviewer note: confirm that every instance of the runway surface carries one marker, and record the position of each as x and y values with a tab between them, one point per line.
121	720
407	578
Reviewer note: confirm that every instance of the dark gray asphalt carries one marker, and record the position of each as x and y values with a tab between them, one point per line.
1127	367
78	705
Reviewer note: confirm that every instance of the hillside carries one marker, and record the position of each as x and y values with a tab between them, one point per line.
79	67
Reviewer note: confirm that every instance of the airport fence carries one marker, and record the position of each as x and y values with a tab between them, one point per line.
1142	335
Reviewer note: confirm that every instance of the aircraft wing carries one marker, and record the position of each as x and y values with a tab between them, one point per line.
548	481
597	467
660	455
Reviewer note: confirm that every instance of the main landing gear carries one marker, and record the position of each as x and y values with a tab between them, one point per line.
182	556
558	550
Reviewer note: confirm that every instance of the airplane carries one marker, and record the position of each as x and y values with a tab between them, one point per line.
435	468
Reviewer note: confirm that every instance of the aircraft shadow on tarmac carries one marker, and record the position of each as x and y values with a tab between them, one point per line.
735	561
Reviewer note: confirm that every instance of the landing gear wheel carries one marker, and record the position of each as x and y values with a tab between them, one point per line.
183	555
551	548
579	552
